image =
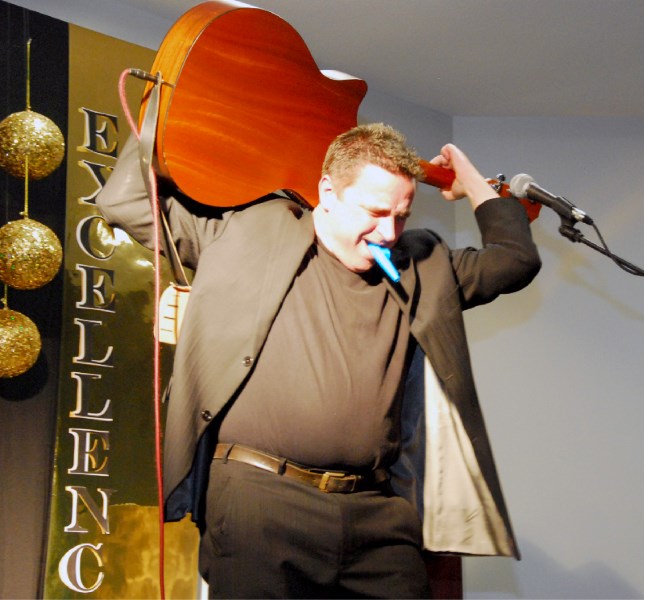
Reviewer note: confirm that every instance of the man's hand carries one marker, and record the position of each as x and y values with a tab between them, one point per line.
468	180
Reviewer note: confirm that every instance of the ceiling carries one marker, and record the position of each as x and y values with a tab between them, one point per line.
459	57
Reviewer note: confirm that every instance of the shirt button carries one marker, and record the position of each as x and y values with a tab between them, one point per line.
207	415
248	361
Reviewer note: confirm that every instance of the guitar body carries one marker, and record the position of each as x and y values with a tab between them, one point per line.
244	109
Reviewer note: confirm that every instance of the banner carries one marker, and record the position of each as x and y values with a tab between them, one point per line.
103	539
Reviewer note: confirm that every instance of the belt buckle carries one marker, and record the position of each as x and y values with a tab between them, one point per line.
328	476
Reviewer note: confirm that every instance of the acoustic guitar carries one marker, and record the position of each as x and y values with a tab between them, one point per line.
244	109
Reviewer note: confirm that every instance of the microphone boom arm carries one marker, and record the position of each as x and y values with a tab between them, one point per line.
567	229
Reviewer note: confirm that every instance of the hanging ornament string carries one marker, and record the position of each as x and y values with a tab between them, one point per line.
25	212
28	86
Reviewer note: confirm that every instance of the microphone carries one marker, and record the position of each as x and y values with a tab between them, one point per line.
524	186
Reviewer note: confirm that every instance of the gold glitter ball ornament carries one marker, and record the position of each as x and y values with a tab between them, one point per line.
30	254
28	134
19	343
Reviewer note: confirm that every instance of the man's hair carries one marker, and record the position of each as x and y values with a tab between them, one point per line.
375	144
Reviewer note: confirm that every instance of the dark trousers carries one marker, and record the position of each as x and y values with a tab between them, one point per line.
271	537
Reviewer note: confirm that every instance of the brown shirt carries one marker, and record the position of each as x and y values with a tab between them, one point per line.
325	390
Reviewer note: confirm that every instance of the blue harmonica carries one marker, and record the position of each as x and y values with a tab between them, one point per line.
382	257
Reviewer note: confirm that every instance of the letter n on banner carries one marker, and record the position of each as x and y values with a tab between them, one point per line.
103	527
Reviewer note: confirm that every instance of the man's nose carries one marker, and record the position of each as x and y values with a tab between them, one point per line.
387	229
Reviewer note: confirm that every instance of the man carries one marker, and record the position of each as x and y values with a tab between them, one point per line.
289	402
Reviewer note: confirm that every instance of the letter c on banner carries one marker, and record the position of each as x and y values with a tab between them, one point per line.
95	237
69	568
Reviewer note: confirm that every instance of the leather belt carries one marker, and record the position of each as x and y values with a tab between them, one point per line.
338	482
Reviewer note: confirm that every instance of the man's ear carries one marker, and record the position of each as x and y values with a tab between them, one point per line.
326	194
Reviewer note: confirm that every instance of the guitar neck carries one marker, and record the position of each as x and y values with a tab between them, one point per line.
437	176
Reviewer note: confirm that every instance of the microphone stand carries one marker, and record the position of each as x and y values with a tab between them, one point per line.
568	230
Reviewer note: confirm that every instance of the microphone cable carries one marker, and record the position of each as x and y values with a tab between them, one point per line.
151	185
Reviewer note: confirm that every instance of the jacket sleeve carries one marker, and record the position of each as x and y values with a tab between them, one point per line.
508	260
124	203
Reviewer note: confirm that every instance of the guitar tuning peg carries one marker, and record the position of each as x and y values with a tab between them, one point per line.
498	182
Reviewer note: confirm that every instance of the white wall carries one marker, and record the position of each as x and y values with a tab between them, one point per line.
560	365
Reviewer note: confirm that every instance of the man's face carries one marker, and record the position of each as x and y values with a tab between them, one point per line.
374	208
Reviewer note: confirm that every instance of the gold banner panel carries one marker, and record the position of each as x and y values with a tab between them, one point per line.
104	521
